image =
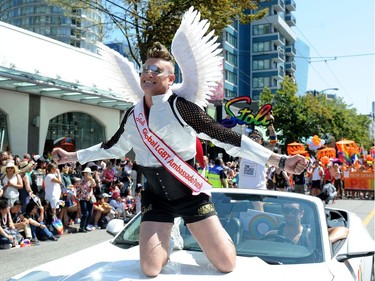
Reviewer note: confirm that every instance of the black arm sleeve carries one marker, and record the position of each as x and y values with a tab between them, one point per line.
201	122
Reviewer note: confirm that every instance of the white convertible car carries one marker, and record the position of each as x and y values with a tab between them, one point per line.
259	223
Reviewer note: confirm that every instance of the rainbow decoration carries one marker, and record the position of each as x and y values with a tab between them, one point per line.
57	224
246	116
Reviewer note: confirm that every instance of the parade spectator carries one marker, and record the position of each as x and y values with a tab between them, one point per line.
5	157
203	171
52	186
253	175
101	211
138	197
70	211
26	170
125	175
217	176
118	206
337	179
39	231
11	182
86	199
20	222
130	202
108	176
97	178
328	193
300	182
8	238
316	172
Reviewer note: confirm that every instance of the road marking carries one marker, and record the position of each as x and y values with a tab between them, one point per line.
369	217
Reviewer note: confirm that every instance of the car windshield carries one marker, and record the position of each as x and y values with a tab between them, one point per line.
280	230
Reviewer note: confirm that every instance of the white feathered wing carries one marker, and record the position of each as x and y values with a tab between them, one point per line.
197	55
122	76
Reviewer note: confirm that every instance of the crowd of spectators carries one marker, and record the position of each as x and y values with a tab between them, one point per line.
39	199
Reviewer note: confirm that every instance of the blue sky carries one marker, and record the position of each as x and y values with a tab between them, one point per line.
343	29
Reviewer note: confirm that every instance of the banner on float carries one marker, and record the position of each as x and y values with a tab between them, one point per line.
359	181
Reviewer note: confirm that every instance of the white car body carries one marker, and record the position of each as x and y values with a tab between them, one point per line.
356	252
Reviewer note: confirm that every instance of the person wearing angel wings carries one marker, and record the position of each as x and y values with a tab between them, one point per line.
162	129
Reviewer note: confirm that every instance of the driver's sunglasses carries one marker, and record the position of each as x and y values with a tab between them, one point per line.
255	138
293	211
153	69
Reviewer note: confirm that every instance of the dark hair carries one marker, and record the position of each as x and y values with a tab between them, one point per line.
3	204
17	203
30	206
218	161
256	132
159	51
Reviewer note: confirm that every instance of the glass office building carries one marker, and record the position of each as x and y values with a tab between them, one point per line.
81	29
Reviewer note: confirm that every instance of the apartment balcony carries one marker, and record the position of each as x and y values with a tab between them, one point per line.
277	39
290	50
277	5
278	55
290	5
290	66
290	19
281	26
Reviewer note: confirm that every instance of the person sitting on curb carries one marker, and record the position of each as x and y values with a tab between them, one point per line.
39	230
19	221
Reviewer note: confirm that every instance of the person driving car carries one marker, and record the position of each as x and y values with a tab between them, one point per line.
292	229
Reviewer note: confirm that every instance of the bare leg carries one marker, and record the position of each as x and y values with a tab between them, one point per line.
154	245
215	242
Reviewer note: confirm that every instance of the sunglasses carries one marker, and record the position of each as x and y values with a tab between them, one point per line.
293	211
255	138
153	69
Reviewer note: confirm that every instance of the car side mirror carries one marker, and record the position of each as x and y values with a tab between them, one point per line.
115	226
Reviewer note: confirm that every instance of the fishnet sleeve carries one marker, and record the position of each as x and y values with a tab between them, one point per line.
196	118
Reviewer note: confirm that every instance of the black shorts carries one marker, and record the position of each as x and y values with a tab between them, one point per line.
316	184
191	208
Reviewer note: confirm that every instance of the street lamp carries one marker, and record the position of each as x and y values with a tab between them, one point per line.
328	89
315	92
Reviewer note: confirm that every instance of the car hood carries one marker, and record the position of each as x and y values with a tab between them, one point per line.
108	262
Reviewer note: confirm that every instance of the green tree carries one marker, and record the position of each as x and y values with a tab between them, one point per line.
298	118
143	22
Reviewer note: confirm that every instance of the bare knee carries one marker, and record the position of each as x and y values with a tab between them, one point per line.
227	262
152	267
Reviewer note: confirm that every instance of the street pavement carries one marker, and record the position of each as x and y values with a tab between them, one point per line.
17	260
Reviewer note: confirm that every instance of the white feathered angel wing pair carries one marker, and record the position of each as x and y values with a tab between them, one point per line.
196	53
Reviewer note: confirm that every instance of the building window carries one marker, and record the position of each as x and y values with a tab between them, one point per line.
261	82
261	64
262	47
75	130
231	39
231	77
261	29
231	58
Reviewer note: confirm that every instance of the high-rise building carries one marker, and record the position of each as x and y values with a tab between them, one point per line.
261	53
82	29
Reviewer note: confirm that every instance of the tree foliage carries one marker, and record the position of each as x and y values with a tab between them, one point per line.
299	117
143	22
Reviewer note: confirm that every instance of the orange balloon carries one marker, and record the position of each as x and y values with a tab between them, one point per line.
325	160
368	158
316	140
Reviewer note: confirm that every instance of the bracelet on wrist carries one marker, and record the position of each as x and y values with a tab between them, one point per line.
282	162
